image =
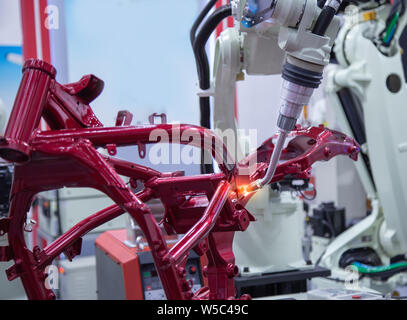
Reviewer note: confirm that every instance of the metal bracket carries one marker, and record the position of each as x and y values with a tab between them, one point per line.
141	149
124	118
74	250
202	247
133	183
111	149
28	225
13	272
206	93
163	117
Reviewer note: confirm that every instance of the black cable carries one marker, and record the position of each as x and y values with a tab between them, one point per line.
330	227
399	6
204	102
203	66
199	19
335	279
324	19
320	258
58	212
202	38
321	3
394	9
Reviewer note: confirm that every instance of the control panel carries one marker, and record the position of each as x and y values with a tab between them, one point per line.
151	283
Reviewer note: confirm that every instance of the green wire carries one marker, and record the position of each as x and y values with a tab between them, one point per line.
363	268
389	30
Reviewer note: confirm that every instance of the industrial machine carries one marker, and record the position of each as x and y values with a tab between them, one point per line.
56	212
368	92
10	290
266	36
379	24
124	265
125	269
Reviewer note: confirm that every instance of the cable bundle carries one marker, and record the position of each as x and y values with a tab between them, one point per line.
198	42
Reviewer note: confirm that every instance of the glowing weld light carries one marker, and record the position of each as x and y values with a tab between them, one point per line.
244	190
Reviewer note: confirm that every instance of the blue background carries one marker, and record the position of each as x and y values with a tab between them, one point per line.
10	76
141	49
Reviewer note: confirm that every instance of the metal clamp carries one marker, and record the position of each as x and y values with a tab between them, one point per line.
28	225
111	149
124	118
163	117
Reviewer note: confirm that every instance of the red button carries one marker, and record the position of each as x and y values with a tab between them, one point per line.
192	269
356	296
148	288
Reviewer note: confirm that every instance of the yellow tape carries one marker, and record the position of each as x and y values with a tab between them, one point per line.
370	15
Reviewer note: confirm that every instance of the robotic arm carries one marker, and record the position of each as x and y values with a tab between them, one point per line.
261	46
306	35
368	93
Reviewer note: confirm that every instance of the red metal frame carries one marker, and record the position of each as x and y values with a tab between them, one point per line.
207	209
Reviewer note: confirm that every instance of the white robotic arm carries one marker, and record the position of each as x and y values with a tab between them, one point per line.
370	72
271	32
237	51
285	34
370	66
